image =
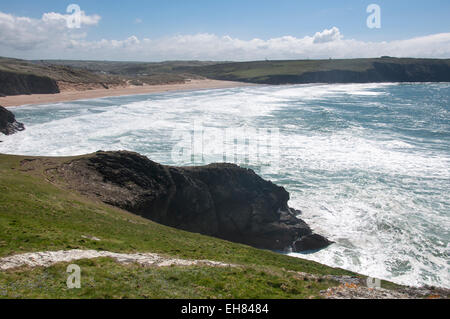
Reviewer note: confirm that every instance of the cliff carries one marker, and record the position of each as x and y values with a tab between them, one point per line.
45	227
220	200
8	123
13	83
385	69
25	77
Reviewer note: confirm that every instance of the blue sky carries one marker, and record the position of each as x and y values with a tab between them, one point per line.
246	19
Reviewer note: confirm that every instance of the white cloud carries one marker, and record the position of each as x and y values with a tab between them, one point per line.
84	19
330	35
49	37
22	34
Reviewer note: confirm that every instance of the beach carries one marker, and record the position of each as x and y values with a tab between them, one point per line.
73	95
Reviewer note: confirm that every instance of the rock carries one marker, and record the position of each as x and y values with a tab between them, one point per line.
17	83
8	123
91	238
311	242
221	200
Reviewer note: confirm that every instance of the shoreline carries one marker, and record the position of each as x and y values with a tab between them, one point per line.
73	95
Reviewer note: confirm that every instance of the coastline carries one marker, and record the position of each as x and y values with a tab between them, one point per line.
73	95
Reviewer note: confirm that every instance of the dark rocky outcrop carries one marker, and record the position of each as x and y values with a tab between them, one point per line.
14	83
8	123
221	200
311	242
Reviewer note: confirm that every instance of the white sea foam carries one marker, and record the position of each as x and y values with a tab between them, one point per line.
365	169
314	91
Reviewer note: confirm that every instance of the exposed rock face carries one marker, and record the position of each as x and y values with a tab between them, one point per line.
8	123
221	200
12	83
311	242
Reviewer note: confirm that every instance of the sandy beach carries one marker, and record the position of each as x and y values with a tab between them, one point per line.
72	95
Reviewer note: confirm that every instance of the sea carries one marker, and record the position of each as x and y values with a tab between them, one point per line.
368	165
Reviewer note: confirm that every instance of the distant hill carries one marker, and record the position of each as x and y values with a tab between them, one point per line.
51	76
136	73
385	69
127	68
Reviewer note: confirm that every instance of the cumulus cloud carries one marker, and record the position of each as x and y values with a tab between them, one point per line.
25	34
330	35
49	37
207	46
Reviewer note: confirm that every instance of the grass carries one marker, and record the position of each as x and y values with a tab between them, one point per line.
36	216
104	278
264	68
128	68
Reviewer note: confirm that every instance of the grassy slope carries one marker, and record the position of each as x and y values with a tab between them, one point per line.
37	216
128	68
55	72
138	72
257	69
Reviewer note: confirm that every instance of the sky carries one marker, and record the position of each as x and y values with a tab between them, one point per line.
147	30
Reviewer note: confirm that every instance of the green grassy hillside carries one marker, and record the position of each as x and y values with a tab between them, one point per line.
260	69
37	216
